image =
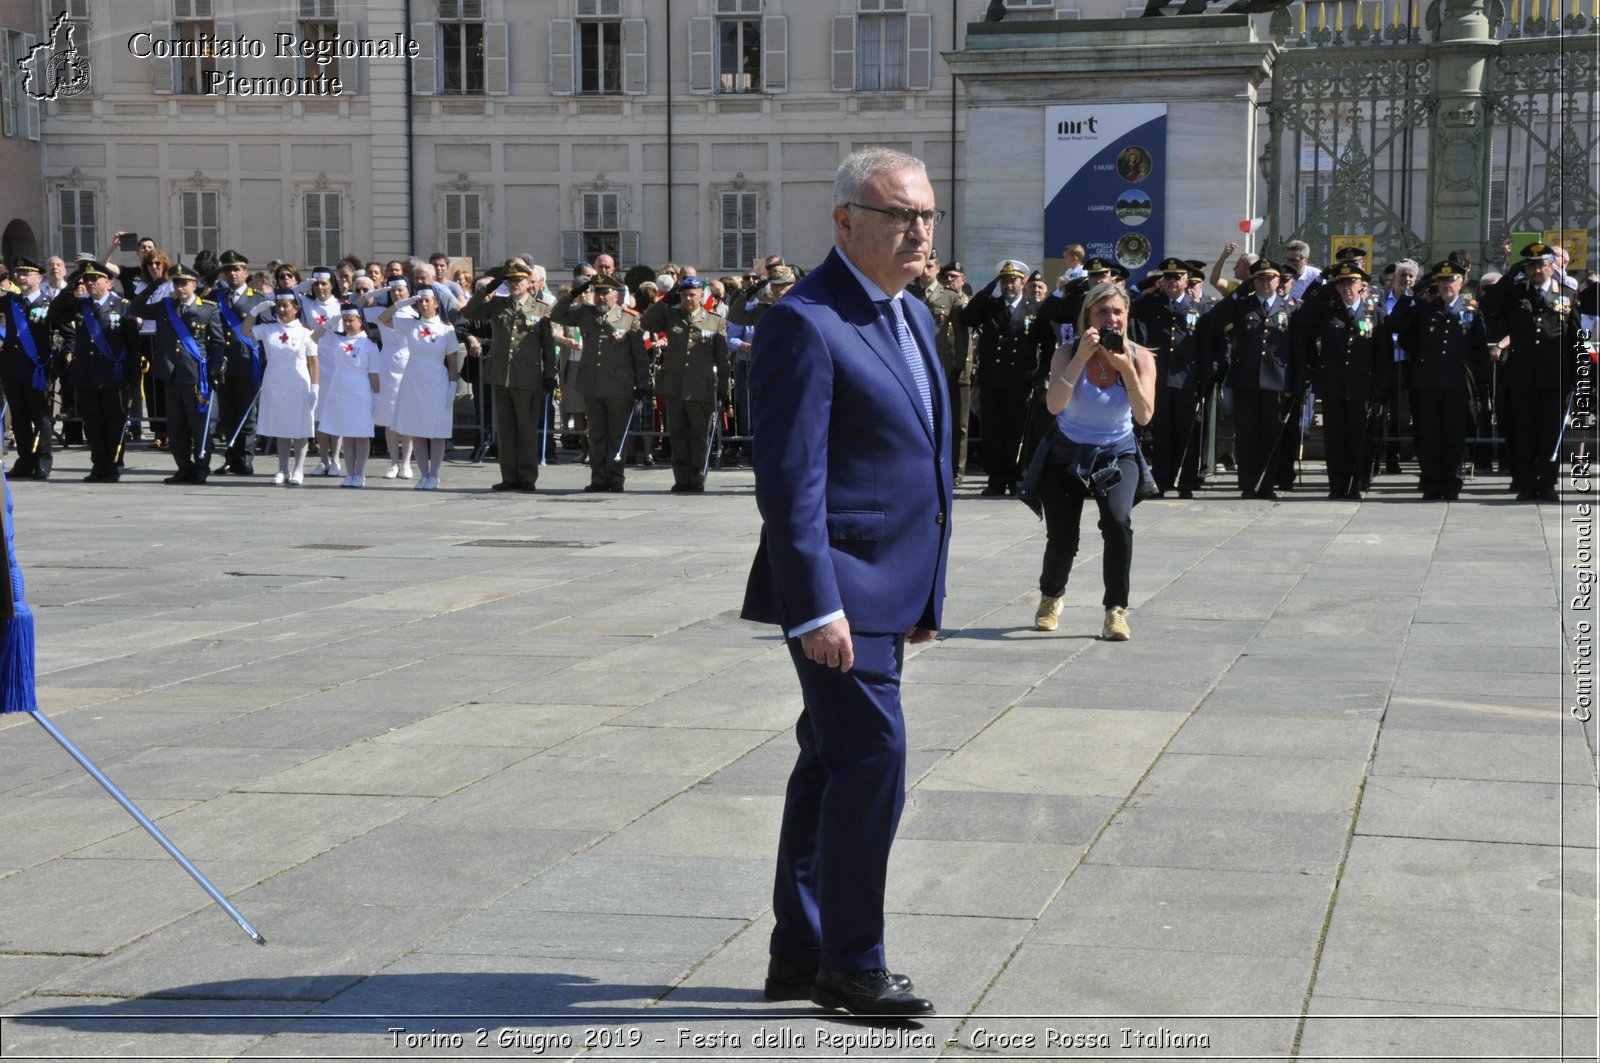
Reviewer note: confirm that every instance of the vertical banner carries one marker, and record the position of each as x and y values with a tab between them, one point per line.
1105	182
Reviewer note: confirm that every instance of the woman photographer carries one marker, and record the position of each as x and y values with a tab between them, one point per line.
1097	391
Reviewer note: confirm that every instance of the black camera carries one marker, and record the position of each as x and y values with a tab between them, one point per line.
129	242
1111	340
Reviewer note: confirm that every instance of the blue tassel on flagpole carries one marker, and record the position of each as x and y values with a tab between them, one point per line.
17	693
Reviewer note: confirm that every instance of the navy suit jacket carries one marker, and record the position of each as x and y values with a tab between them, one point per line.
852	483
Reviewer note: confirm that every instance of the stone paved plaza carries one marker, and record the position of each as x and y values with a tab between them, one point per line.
514	765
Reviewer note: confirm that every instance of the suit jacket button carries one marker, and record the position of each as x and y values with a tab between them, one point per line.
939	519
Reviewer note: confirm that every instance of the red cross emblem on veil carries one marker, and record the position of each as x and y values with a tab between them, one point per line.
283	337
425	333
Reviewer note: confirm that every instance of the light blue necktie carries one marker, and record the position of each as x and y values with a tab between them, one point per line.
914	362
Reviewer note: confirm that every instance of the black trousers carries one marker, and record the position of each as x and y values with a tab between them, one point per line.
1176	438
1003	410
104	412
1062	494
1344	442
689	428
31	421
1538	416
1441	427
234	398
186	430
1257	417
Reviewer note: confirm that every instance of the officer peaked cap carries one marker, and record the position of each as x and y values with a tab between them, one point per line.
233	258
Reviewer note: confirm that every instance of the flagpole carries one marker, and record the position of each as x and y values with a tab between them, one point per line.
144	821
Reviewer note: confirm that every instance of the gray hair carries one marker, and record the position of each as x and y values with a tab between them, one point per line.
1411	264
863	165
1298	245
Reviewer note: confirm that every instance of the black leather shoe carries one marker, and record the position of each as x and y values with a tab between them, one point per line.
866	993
594	488
1267	494
787	980
39	474
503	485
179	478
527	489
994	490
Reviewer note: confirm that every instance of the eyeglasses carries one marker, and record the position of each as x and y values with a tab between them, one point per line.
904	217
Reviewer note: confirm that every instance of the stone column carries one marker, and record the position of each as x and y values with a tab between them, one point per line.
1459	150
1206	68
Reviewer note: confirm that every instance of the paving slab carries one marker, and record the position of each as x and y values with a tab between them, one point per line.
447	779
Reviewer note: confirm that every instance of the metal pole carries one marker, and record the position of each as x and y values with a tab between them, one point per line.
623	445
205	429
544	428
144	821
240	427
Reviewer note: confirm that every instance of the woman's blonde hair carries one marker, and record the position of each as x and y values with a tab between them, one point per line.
1097	295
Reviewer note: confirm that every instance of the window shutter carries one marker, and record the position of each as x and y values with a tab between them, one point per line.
227	31
9	85
289	66
702	54
571	248
635	72
353	72
844	53
496	59
161	70
919	41
628	248
425	67
563	71
775	53
313	227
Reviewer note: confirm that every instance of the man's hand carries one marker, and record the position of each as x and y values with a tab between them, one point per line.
830	645
921	634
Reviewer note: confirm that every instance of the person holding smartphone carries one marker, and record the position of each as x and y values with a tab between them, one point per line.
1098	389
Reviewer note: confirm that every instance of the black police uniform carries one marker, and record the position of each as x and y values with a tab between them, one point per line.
105	363
1171	330
1447	353
191	351
1543	326
1252	342
1344	355
25	362
243	365
1009	359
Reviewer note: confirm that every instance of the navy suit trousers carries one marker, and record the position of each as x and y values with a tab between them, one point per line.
841	809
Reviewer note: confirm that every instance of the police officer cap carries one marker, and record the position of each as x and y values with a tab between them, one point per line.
90	269
606	282
779	275
951	267
688	283
514	269
24	265
1119	271
180	272
1265	267
1173	267
1538	251
1448	270
232	258
1349	251
1099	265
1348	271
1035	276
1011	267
1196	268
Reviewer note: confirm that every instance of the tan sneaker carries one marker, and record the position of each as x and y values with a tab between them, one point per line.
1116	626
1049	611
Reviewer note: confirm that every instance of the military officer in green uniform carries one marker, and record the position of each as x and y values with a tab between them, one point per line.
953	340
613	373
694	375
521	369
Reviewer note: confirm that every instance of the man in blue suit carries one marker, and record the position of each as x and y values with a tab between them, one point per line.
852	462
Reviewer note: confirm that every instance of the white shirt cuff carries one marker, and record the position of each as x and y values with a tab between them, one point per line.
812	625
